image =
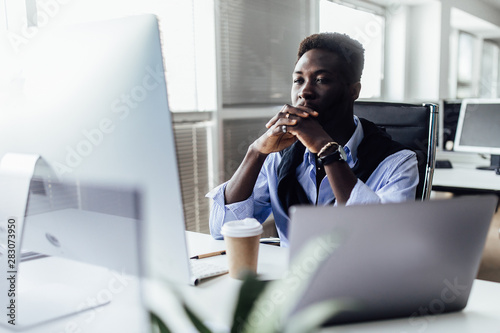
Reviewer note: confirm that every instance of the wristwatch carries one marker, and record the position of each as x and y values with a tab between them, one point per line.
337	155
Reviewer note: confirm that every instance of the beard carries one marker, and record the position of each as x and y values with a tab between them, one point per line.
335	110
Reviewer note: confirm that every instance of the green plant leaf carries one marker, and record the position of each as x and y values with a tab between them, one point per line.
249	292
157	325
196	321
169	310
315	315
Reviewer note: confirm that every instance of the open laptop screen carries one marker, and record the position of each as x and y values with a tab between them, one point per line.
393	259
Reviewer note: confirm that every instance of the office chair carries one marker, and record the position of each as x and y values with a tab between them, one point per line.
413	125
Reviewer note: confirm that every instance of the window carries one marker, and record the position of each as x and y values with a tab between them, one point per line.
187	28
465	65
477	67
489	83
368	29
474	56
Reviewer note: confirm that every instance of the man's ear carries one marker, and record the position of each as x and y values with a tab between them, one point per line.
354	90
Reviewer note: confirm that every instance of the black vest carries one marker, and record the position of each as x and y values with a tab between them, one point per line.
373	149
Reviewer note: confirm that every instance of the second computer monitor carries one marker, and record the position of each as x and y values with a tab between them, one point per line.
478	129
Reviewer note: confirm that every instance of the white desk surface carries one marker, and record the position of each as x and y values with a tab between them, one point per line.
464	174
125	312
214	300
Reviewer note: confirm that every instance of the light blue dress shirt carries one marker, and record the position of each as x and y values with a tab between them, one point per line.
394	180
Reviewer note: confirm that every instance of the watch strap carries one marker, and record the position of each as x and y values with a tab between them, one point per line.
327	147
336	156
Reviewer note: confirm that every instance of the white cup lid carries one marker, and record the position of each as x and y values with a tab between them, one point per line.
243	228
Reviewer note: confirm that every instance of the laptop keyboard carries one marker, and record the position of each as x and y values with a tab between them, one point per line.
201	269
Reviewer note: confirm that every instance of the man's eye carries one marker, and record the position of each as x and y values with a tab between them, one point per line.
298	81
322	80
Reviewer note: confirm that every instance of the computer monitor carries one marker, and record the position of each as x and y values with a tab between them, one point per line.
91	100
478	129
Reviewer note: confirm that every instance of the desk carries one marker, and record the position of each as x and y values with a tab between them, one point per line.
124	313
464	177
214	300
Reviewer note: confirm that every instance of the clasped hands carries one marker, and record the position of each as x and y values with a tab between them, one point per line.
290	124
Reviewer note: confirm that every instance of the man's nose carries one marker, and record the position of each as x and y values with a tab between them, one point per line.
307	91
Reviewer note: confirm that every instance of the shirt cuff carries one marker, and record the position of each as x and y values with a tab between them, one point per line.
362	194
235	211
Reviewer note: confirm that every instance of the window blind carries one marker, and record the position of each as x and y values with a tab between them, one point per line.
258	41
192	144
238	135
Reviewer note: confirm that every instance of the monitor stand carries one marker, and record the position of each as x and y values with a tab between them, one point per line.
495	164
42	289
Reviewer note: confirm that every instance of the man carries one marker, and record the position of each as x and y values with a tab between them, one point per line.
316	151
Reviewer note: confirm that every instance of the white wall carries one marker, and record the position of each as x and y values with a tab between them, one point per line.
395	54
447	80
424	52
413	53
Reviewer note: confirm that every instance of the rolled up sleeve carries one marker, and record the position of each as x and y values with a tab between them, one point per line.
394	180
257	206
222	213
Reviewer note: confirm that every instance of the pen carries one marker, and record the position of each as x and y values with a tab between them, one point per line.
211	254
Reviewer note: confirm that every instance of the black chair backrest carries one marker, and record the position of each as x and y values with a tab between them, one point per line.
413	125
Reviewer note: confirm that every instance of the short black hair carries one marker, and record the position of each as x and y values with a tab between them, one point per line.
348	49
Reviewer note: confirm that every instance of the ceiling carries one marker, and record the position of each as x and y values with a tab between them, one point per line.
495	3
460	19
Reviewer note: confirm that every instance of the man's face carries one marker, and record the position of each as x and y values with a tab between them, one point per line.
319	85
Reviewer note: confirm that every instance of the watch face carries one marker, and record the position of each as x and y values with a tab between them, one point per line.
343	155
337	155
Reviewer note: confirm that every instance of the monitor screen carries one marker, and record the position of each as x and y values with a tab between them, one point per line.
478	128
91	100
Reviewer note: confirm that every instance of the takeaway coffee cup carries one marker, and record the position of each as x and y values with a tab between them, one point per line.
242	246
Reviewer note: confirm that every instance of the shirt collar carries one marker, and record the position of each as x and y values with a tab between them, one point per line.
355	140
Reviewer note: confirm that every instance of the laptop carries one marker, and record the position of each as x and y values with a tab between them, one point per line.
394	260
